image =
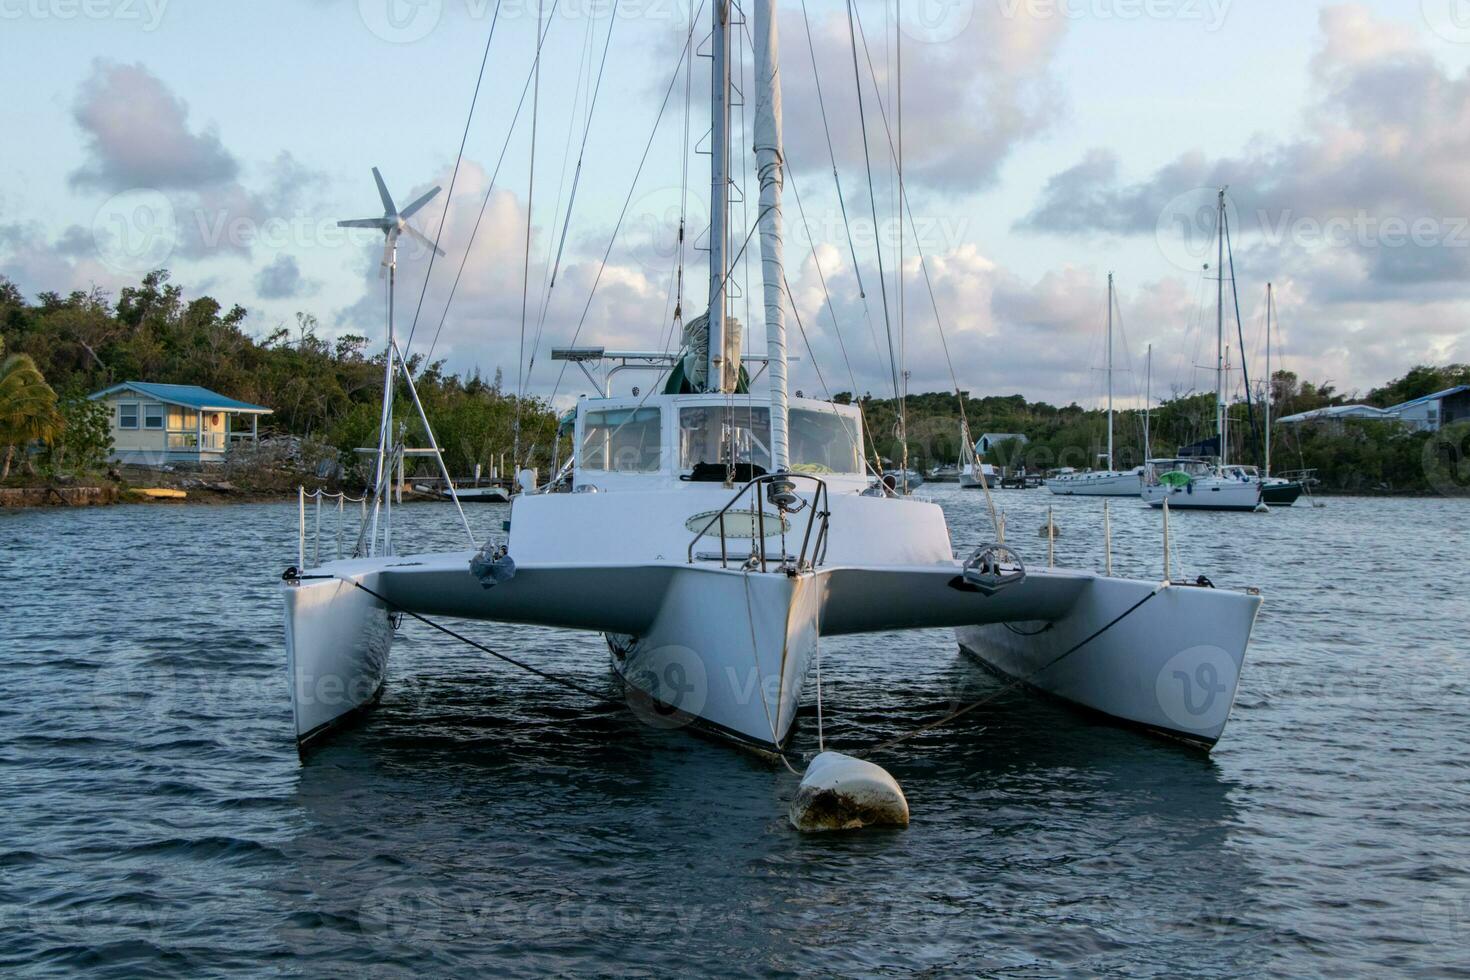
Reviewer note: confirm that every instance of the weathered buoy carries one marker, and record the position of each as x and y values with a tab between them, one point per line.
1054	528
839	792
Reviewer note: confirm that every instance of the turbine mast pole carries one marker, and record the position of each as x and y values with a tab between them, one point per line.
769	161
385	423
719	205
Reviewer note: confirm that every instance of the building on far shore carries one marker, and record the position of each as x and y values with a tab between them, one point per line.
154	424
990	440
1427	414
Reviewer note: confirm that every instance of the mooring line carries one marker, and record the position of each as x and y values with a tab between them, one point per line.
1018	682
573	685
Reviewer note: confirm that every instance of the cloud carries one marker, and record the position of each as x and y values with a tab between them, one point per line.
282	279
138	136
1378	167
968	99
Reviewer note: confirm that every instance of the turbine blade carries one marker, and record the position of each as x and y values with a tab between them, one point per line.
419	236
388	206
375	223
409	211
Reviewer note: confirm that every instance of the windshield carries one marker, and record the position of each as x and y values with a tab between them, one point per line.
820	442
622	440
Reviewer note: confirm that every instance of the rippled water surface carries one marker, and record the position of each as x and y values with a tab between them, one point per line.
154	816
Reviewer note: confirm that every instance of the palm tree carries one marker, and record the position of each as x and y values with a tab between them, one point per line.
28	411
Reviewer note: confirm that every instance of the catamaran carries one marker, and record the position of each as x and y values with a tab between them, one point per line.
714	535
1106	482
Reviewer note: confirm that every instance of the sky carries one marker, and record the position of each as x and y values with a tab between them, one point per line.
1044	145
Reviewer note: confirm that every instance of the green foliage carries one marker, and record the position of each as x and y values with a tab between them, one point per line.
1420	381
319	388
28	412
85	439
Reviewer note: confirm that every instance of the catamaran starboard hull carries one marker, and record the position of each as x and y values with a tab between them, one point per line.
1171	666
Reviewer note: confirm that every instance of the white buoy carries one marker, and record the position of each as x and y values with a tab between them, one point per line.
839	792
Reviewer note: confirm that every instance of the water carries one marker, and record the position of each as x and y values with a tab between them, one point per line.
154	816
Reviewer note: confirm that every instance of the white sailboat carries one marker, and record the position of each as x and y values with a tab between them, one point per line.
714	536
1107	482
1200	484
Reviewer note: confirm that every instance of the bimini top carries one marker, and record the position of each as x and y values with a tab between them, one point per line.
189	396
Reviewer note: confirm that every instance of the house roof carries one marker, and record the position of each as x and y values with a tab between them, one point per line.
1337	412
189	396
1429	398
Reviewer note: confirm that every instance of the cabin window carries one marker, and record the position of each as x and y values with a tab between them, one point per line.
725	434
127	415
182	419
622	440
152	416
824	442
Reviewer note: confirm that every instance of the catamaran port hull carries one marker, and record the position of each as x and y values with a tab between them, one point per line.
337	642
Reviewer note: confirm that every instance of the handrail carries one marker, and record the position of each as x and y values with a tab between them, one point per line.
319	495
817	508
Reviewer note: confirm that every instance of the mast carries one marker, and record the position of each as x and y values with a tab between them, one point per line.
769	161
1110	372
1148	399
1270	297
719	203
1220	330
385	422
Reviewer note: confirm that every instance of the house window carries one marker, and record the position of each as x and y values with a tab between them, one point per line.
127	415
152	416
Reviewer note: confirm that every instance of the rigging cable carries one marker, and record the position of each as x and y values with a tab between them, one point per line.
1245	373
572	197
474	232
933	300
444	216
873	204
857	268
526	267
628	200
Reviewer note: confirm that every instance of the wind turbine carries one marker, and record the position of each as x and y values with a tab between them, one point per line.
394	224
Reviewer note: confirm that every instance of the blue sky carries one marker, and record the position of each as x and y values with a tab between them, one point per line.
1046	142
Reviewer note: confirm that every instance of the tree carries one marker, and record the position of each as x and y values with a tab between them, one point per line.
27	407
86	436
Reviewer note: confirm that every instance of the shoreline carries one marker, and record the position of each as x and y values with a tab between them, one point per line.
57	497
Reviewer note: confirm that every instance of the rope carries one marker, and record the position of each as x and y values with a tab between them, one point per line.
627	202
1006	689
474	232
454	178
526	266
873	204
573	685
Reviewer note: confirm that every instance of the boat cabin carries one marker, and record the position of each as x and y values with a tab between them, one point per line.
635	442
153	424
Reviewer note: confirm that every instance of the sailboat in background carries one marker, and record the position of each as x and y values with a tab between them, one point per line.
1195	483
1277	491
1107	482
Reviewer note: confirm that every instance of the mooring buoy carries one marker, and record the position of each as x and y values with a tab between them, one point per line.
839	792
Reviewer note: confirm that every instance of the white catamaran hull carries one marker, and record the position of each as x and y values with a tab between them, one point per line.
730	650
1171	666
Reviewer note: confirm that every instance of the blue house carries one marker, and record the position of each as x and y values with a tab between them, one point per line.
153	424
